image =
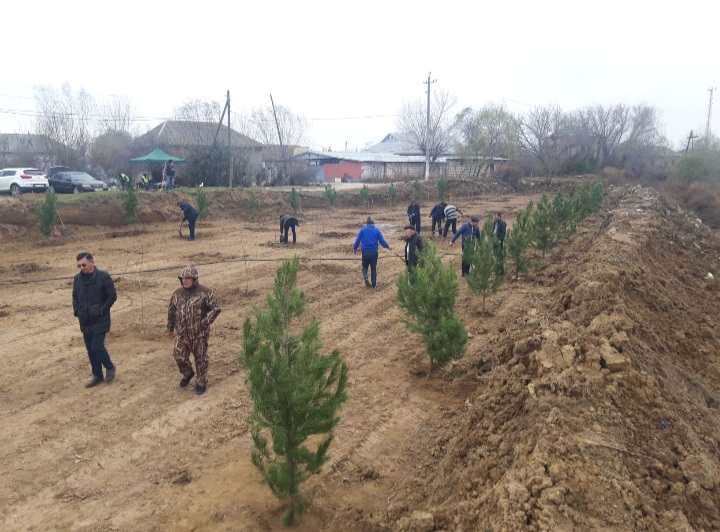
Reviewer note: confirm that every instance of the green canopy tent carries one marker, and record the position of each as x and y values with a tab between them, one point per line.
157	156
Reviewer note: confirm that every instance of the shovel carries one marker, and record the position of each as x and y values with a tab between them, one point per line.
180	229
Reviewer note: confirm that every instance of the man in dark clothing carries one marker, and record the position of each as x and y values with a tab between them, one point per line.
170	175
468	231
370	236
499	228
413	244
287	222
92	296
189	214
438	215
413	213
451	214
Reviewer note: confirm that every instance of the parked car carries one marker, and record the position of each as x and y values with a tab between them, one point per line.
55	169
15	181
75	182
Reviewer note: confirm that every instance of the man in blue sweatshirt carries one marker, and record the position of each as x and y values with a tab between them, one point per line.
190	215
468	231
370	236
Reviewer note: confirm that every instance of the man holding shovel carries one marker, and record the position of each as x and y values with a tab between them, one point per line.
189	214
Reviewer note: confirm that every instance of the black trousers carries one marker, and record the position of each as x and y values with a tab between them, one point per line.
287	228
439	223
448	223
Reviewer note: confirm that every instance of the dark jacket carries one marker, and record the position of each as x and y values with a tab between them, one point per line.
92	297
468	232
412	245
499	229
438	212
287	221
413	212
189	212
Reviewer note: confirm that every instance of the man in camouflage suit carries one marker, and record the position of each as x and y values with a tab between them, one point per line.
192	309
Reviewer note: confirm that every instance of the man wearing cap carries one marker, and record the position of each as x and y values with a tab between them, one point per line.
469	232
193	307
413	244
370	236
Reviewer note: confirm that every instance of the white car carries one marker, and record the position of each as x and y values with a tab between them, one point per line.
15	181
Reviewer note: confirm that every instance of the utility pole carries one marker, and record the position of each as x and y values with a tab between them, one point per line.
230	153
707	126
428	138
282	150
690	142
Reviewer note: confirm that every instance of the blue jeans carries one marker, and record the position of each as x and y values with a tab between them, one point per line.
98	355
370	258
170	182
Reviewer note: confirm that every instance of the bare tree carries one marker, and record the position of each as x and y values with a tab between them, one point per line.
204	115
412	122
67	120
281	131
116	114
544	135
483	136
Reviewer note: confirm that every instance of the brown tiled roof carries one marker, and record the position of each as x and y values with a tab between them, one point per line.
185	133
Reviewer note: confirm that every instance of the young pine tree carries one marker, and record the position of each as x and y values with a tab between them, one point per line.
544	224
392	194
47	211
365	195
130	206
485	275
442	188
429	303
330	195
294	200
202	202
417	190
253	203
296	392
518	240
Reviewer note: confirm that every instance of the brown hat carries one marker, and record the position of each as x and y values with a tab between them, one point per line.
190	272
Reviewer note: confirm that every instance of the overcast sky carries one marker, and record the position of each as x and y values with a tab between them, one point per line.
348	67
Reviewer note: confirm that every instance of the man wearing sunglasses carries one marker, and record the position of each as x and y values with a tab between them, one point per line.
93	295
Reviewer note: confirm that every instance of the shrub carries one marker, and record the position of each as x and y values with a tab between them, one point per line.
365	195
330	195
417	190
510	174
47	211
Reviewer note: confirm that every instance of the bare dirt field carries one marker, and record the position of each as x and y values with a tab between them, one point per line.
588	397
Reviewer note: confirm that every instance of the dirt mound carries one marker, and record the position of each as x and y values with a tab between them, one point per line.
598	406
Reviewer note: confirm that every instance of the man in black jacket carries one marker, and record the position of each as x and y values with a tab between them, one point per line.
287	222
413	213
438	215
413	243
499	227
190	215
93	294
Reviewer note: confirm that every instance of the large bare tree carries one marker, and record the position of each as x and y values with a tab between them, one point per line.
412	121
67	120
281	131
485	135
545	134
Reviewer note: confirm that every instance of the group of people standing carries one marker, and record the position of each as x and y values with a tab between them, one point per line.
143	180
